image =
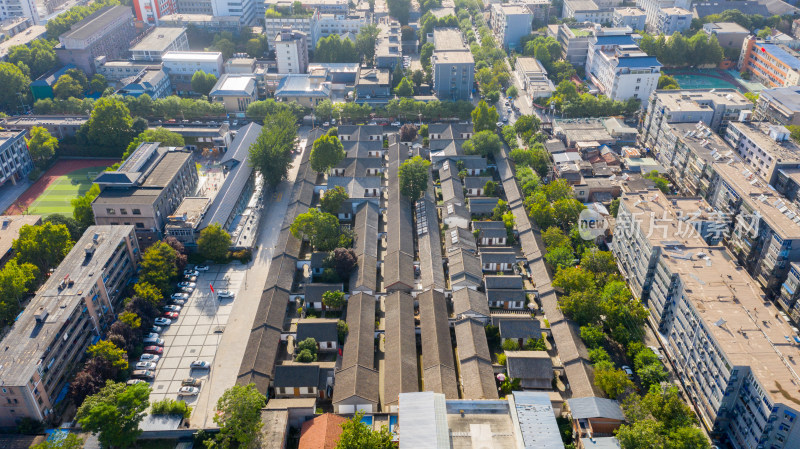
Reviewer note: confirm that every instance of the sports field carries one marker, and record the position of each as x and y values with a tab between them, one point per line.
56	198
52	193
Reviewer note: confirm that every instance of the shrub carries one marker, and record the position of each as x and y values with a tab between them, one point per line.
171	407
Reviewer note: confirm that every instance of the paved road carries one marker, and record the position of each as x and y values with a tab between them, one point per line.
232	346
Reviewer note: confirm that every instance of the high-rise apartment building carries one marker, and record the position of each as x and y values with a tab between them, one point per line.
15	159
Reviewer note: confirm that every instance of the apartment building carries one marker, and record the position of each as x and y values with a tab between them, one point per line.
200	20
715	108
587	11
11	9
617	66
510	22
150	11
154	83
291	51
727	344
533	77
634	18
651	8
772	65
115	71
145	190
780	105
15	160
765	147
305	23
181	65
673	20
159	41
388	46
107	32
453	65
790	292
72	309
343	24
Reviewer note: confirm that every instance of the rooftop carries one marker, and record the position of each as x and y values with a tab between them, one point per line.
448	39
509	9
9	229
582	5
304	85
787	57
675	11
536	420
689	100
593	407
201	56
28	342
764	134
159	39
726	27
234	85
97	22
630	12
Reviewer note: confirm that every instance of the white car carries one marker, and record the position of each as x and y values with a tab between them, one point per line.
171	308
225	294
149	358
162	321
187	289
326	124
200	364
656	352
188	391
190	278
191	273
187	284
179	296
178	302
152	335
397	124
146	365
373	123
201	268
627	370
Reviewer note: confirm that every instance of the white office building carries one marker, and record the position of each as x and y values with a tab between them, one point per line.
617	66
291	51
673	20
181	65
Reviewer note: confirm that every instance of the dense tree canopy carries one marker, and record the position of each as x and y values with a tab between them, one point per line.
110	125
484	118
413	177
326	153
15	87
271	154
239	417
320	228
41	145
158	266
203	82
214	243
115	413
335	49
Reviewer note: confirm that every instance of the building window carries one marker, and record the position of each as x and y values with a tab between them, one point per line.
110	211
137	212
123	211
139	225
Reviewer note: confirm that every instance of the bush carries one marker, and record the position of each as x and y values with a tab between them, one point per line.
599	355
243	255
510	345
171	407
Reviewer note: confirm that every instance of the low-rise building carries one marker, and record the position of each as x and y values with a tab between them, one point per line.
729	34
634	18
182	65
780	106
235	92
673	20
17	162
42	87
322	330
533	77
534	369
291	51
74	308
594	418
202	19
519	330
307	90
58	126
158	41
587	11
10	226
490	233
145	190
772	65
115	71
154	83
373	87
107	32
510	22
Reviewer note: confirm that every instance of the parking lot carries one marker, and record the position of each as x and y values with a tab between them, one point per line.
196	333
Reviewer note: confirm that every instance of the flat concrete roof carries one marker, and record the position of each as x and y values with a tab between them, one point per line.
159	39
9	229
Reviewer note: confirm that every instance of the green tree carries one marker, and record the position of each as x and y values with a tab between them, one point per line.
98	84
271	154
15	280
161	135
131	319
148	292
667	82
614	207
357	435
320	228
510	345
365	42
203	82
224	46
44	245
41	145
70	441
115	413
400	10
214	243
554	236
306	356
641	435
600	263
535	344
66	87
333	299
405	88
484	117
659	181
593	335
110	124
482	143
15	87
158	266
326	152
82	207
334	49
425	55
332	200
613	382
324	110
413	177
107	350
512	92
560	257
238	416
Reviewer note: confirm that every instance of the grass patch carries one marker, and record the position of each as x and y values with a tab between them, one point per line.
56	199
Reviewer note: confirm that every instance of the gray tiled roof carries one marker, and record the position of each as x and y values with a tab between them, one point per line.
477	375
503	282
484	225
437	347
365	276
505	295
400	363
498	257
476	182
356	381
398	271
317	259
300	375
318	329
594	407
467	300
481	205
452	190
459	238
534	367
359	347
465	268
366	230
520	328
313	292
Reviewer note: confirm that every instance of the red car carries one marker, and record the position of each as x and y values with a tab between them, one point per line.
154	350
172	315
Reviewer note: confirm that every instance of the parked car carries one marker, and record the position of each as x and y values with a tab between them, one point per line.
162	321
201	268
187	284
154	349
134	382
179	302
171	315
188	391
656	352
627	370
190	278
149	358
172	308
153	341
152	335
326	124
373	123
145	365
143	374
397	124
156	329
500	124
190	272
200	364
225	294
191	382
187	289
179	296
